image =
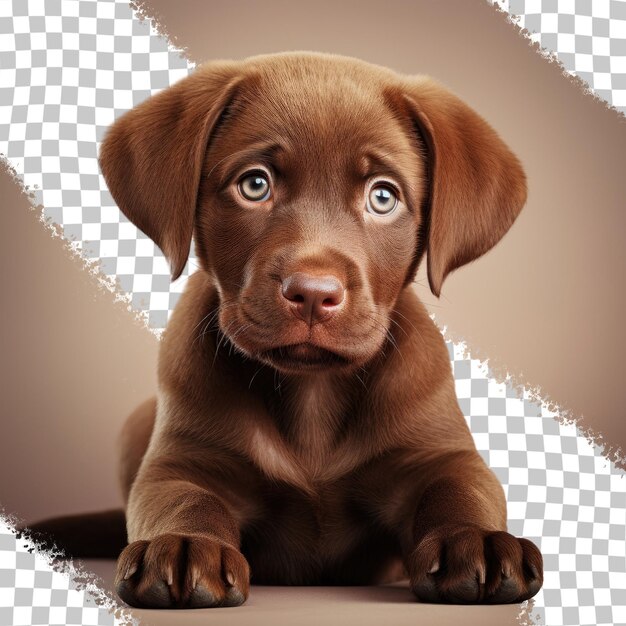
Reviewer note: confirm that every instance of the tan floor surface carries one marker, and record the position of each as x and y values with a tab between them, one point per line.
391	605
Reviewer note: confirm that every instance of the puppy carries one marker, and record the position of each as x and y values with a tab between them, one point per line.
306	429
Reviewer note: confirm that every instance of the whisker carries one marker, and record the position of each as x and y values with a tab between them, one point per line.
211	318
254	375
361	381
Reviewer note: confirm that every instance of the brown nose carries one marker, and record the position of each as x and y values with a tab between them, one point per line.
313	298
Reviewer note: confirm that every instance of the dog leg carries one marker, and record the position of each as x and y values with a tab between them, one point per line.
184	550
462	552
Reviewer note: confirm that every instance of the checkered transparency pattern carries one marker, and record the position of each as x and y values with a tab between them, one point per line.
587	36
562	493
68	68
31	592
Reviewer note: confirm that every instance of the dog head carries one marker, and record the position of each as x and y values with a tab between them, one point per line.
313	184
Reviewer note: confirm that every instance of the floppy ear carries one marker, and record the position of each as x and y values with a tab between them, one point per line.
152	157
477	185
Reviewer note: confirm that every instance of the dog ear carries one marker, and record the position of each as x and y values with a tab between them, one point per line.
477	186
152	157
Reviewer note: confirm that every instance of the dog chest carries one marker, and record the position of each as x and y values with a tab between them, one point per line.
320	539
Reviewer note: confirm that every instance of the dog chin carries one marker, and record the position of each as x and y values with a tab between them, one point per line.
297	353
303	357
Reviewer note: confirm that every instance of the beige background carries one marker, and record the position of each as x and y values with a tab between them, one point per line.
390	605
73	361
546	304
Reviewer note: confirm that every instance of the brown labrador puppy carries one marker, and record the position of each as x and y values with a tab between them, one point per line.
306	429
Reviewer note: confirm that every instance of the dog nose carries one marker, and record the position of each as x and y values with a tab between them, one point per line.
313	298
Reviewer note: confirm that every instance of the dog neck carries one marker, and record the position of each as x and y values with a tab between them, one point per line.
310	413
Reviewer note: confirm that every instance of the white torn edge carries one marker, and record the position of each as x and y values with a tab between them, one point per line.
143	13
531	611
526	617
552	56
549	408
75	248
78	579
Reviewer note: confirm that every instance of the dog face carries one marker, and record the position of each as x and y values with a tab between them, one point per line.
307	217
314	184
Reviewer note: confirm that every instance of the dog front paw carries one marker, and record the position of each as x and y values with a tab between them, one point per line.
175	571
468	565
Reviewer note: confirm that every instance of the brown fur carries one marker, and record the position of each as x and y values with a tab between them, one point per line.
350	471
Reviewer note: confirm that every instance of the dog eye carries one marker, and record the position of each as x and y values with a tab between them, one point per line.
255	187
382	200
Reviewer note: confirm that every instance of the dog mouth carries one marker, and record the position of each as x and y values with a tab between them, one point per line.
303	356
